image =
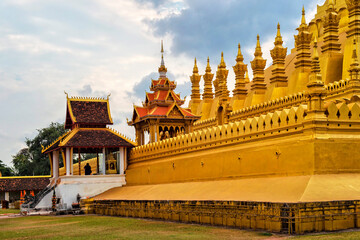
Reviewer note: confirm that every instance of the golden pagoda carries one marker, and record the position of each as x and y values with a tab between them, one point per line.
282	153
161	115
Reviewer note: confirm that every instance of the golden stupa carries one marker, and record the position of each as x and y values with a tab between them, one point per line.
281	154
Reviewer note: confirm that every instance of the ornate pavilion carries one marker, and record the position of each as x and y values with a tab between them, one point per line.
87	120
161	115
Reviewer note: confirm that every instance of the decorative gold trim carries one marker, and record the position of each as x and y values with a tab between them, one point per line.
152	111
172	107
88	99
51	144
70	111
108	108
67	138
44	176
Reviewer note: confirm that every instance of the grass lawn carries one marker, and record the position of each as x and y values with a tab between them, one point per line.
6	211
103	227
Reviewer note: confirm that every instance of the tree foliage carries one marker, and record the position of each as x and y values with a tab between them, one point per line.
22	163
30	161
5	170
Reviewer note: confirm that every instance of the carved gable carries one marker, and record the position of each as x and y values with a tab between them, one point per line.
175	112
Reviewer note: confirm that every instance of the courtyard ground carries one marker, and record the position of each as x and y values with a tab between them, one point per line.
103	227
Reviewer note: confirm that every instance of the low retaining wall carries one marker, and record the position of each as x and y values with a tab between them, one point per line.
291	218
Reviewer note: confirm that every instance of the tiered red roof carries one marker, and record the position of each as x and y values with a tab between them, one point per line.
163	103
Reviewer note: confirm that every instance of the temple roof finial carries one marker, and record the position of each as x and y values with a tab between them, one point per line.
303	19
208	68
278	39
195	69
258	52
208	91
331	4
239	57
162	68
222	62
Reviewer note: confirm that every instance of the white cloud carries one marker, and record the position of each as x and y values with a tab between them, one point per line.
96	47
31	44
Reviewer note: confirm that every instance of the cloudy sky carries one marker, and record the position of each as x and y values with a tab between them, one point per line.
96	47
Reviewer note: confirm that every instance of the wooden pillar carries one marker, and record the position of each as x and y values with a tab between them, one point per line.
152	133
55	164
142	137
79	161
67	159
157	133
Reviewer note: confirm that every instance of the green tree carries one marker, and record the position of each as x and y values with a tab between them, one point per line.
30	161
5	170
23	163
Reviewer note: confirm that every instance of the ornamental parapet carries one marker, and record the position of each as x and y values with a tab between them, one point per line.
336	88
210	122
269	125
262	108
337	116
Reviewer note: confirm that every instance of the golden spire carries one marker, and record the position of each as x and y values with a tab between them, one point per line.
302	43
208	68
278	54
239	70
258	66
222	62
258	52
303	19
208	76
195	88
239	57
221	78
278	39
331	4
162	68
195	69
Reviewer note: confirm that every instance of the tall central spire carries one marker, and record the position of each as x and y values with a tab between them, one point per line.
162	68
